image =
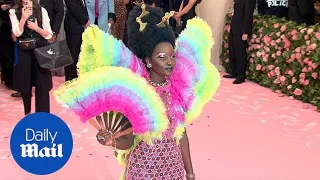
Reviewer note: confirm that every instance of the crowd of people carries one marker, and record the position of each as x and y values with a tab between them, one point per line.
52	20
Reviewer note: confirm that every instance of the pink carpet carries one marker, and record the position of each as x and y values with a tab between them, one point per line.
246	133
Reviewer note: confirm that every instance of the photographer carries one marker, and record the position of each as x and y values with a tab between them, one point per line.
31	25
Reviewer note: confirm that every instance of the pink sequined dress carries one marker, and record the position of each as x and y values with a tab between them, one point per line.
163	160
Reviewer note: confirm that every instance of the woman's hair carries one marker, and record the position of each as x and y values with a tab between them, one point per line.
37	13
143	43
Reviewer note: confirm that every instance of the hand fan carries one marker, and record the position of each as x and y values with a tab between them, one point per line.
116	99
114	122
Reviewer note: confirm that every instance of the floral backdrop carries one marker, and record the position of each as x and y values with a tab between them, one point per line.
283	56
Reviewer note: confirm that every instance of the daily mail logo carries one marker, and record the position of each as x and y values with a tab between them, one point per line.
41	143
33	150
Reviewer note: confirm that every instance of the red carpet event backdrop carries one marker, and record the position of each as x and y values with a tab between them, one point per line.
282	56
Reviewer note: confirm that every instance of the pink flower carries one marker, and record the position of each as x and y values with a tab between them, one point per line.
306	37
308	42
271	67
314	65
306	61
297	92
290	73
272	73
294	32
226	45
283	28
273	55
294	37
312	47
289	87
314	75
267	49
277	81
303	30
298	56
302	75
263	68
273	43
277	61
278	41
279	53
298	50
310	31
227	60
306	82
265	59
294	80
282	79
251	60
258	67
287	43
293	56
263	53
258	54
276	25
277	70
305	69
278	34
318	35
301	81
258	40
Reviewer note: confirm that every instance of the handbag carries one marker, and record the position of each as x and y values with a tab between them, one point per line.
54	56
27	43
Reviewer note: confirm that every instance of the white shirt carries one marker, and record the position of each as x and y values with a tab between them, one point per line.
15	23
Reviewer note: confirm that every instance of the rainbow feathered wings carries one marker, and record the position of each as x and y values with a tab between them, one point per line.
112	78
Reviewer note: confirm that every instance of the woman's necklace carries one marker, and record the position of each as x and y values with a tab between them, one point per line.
158	84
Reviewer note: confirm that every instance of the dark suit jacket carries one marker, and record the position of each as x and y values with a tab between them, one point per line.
302	11
76	17
242	19
55	10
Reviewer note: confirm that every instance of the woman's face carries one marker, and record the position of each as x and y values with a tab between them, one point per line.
163	59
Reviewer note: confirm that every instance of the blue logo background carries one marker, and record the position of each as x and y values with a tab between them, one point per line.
40	122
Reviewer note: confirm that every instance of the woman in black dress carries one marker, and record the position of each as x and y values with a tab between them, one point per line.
30	20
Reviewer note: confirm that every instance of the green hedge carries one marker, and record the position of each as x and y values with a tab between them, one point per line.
283	56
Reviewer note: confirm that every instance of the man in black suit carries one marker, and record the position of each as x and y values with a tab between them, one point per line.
75	22
241	28
55	9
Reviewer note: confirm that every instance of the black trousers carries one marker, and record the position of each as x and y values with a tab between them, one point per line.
238	55
42	101
74	41
27	74
6	62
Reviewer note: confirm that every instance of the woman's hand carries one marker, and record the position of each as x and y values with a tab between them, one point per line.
177	16
26	12
33	25
104	137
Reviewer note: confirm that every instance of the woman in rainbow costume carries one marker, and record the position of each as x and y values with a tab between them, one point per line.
160	85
